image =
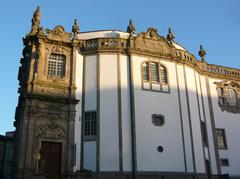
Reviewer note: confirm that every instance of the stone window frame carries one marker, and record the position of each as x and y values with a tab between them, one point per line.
92	126
58	73
149	81
223	138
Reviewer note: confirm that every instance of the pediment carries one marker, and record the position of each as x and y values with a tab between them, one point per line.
59	34
152	42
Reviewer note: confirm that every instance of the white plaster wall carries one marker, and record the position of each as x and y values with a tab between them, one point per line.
126	117
186	126
109	143
89	161
148	136
195	120
91	83
90	155
208	125
78	82
230	122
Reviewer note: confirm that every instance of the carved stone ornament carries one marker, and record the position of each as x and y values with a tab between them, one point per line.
228	96
170	37
202	53
131	27
52	130
158	119
59	34
36	21
75	29
151	42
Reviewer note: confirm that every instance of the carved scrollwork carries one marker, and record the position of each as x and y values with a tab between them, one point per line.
51	130
59	34
151	42
228	96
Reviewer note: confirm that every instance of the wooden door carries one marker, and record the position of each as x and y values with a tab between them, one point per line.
51	158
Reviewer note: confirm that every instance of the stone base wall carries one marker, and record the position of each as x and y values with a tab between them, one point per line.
112	175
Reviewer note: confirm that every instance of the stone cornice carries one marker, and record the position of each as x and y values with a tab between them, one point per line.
145	43
111	45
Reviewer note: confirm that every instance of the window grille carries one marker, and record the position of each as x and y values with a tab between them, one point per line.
90	124
56	65
221	139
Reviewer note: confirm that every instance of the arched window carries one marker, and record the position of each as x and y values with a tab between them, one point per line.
154	76
56	65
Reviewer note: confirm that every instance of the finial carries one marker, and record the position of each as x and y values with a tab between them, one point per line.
202	53
131	27
170	36
36	21
75	28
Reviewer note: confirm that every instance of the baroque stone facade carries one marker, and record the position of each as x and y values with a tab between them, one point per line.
63	81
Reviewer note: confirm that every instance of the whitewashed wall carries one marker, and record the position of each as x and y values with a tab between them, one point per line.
230	122
148	136
185	118
109	140
126	118
195	120
90	105
77	137
176	143
209	126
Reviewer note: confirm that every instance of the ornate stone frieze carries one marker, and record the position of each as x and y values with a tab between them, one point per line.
228	96
58	34
151	42
52	129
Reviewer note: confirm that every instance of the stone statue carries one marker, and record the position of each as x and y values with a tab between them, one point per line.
202	53
170	36
131	27
36	21
75	28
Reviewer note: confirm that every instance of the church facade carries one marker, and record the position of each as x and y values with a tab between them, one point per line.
113	104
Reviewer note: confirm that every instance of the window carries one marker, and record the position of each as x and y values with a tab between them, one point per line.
56	65
145	71
204	133
90	125
221	139
154	76
224	162
163	74
154	72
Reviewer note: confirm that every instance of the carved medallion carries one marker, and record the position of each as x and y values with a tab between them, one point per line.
229	96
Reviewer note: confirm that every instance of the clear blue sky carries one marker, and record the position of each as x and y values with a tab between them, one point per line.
213	23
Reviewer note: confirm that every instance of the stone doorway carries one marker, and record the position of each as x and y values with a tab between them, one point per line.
51	158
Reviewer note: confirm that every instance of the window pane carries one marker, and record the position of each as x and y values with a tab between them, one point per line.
145	71
163	74
221	139
154	72
56	65
90	124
